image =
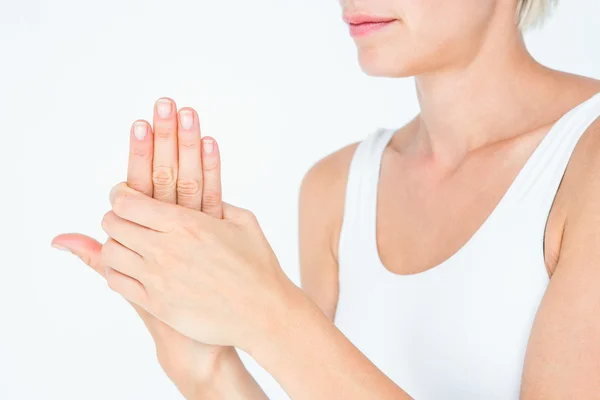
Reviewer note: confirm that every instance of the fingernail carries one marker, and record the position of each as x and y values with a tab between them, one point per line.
163	107
140	130
62	248
207	146
187	119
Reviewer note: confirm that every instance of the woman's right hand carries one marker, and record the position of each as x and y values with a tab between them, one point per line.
172	163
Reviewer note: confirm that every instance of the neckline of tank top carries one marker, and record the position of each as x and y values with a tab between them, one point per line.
495	211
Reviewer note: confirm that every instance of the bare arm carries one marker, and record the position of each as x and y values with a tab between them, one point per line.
310	358
335	368
320	213
563	355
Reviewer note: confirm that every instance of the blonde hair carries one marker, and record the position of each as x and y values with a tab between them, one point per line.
531	13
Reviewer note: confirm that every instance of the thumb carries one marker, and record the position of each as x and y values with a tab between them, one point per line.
84	247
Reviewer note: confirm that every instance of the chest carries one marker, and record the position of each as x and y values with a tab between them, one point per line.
421	223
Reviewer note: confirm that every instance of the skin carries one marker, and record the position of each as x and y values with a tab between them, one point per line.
167	162
205	276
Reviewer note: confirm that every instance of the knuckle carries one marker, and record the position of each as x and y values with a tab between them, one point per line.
190	143
188	187
164	133
120	201
110	279
86	258
106	221
141	153
210	163
211	199
108	249
163	176
163	256
109	246
104	255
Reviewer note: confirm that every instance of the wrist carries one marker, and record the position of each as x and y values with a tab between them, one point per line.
291	313
213	377
229	380
197	374
218	366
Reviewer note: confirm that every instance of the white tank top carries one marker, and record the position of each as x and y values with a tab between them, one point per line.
458	330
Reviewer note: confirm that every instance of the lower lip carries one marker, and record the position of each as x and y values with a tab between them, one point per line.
367	28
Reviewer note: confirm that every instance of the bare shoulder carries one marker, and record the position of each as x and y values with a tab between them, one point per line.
574	90
580	186
321	204
322	193
583	171
587	151
563	350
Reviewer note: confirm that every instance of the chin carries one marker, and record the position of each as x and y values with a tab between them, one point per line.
381	63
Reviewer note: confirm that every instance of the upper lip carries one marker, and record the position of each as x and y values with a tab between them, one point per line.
360	18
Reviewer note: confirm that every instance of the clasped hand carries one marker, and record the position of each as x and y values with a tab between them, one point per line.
197	270
214	280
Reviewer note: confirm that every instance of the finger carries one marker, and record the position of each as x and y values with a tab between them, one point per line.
127	287
133	236
189	178
141	153
164	164
88	250
140	209
82	246
211	169
122	259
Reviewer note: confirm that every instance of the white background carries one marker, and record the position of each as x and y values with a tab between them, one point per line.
276	82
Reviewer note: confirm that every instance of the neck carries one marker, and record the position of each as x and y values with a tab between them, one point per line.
497	94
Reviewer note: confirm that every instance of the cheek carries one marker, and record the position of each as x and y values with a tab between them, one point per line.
446	31
419	13
446	21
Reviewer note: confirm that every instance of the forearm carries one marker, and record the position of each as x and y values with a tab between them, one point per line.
229	379
312	359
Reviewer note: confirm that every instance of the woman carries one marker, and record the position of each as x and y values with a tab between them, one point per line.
441	249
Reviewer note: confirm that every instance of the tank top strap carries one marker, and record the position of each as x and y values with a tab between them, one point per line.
535	195
361	190
532	191
548	166
535	186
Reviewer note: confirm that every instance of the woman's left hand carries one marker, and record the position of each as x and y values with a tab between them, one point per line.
217	281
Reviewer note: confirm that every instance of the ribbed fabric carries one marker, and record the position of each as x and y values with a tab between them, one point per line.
458	330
